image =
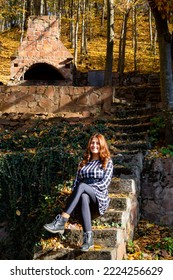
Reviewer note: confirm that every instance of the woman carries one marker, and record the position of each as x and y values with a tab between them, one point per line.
90	188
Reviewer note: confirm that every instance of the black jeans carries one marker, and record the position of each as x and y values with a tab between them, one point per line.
85	196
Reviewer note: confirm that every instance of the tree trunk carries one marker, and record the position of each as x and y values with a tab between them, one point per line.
166	77
23	22
45	7
164	40
122	45
60	14
37	7
27	13
134	38
150	28
172	49
43	10
76	35
103	13
90	28
72	27
155	41
84	29
110	43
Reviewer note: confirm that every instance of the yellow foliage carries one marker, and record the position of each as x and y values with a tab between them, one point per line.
10	41
95	57
51	244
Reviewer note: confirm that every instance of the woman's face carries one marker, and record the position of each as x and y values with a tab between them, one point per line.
95	146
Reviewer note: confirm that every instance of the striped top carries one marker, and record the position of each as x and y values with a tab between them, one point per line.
93	169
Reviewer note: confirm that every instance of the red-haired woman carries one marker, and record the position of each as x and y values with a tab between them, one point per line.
90	188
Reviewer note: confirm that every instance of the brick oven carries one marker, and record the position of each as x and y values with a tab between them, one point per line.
41	57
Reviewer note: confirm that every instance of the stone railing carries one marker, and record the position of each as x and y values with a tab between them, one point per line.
54	99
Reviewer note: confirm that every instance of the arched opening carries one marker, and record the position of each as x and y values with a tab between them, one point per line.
42	71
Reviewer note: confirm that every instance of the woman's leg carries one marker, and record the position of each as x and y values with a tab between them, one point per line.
88	208
58	224
76	196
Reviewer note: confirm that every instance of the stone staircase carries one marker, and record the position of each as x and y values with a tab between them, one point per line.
109	241
130	122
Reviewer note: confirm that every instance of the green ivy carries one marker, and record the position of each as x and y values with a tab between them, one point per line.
167	151
158	124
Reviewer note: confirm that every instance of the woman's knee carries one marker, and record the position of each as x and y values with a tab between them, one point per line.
85	198
82	186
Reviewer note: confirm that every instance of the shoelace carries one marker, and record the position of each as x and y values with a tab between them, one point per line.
57	218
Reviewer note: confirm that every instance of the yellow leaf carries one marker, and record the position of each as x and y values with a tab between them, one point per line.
149	225
41	133
98	247
18	213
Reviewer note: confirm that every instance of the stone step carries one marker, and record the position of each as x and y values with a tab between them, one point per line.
107	237
128	162
142	93
126	112
124	159
75	254
119	203
109	243
130	120
122	186
136	128
154	79
126	152
128	104
113	218
120	169
131	136
135	145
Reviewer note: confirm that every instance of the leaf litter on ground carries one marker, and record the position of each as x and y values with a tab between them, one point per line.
151	242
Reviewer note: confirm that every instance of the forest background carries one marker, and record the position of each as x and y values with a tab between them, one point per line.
83	29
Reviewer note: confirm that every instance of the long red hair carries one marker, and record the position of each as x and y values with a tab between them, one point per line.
104	153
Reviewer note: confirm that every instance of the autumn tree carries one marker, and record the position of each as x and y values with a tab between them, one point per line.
76	34
162	10
84	9
11	13
27	12
125	7
110	42
37	7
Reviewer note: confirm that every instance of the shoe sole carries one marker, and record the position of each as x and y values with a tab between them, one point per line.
61	231
91	247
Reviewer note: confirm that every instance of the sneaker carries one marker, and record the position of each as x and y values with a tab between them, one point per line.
57	225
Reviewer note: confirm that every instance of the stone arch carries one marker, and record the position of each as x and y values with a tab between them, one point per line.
42	71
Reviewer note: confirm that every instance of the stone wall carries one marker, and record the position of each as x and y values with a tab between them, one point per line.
157	191
54	99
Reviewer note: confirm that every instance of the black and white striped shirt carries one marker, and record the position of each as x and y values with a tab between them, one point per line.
93	169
